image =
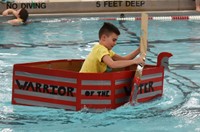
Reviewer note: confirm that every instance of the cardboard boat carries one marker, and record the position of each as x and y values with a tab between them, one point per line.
58	84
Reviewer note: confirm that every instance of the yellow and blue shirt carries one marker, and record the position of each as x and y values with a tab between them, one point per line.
93	63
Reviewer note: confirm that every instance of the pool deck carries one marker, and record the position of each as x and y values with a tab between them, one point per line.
108	14
93	8
134	14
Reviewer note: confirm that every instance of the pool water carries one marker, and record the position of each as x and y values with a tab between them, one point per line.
178	110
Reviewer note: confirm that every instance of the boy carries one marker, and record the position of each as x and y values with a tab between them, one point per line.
102	55
21	16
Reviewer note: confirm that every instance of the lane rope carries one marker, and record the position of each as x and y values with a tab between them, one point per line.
156	18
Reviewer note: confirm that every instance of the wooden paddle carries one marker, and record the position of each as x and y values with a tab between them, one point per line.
143	50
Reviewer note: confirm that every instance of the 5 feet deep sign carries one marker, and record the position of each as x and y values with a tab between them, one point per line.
132	3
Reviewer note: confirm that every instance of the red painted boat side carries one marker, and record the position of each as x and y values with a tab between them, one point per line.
58	84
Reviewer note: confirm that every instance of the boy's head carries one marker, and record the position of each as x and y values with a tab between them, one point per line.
108	29
108	35
23	14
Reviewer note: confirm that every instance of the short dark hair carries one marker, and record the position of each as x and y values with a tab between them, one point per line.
23	14
107	29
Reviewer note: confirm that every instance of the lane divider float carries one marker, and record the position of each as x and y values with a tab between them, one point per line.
155	18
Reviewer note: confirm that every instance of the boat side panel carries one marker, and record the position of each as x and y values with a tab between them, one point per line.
96	90
44	87
49	84
151	85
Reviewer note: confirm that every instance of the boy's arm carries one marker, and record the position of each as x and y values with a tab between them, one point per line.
10	11
120	63
130	56
14	22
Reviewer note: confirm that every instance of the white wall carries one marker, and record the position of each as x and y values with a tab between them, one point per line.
77	6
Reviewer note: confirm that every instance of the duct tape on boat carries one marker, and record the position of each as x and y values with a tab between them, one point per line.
122	100
44	95
46	77
149	94
122	81
151	76
96	101
96	82
43	104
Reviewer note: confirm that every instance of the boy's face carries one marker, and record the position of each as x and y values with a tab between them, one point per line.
110	40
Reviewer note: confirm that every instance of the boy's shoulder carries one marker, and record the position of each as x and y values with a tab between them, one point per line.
99	46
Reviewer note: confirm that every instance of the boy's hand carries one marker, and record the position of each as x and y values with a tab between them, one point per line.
140	60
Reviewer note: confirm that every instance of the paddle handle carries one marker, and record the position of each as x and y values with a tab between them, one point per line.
140	67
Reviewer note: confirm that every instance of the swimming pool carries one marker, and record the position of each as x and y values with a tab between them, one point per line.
177	110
